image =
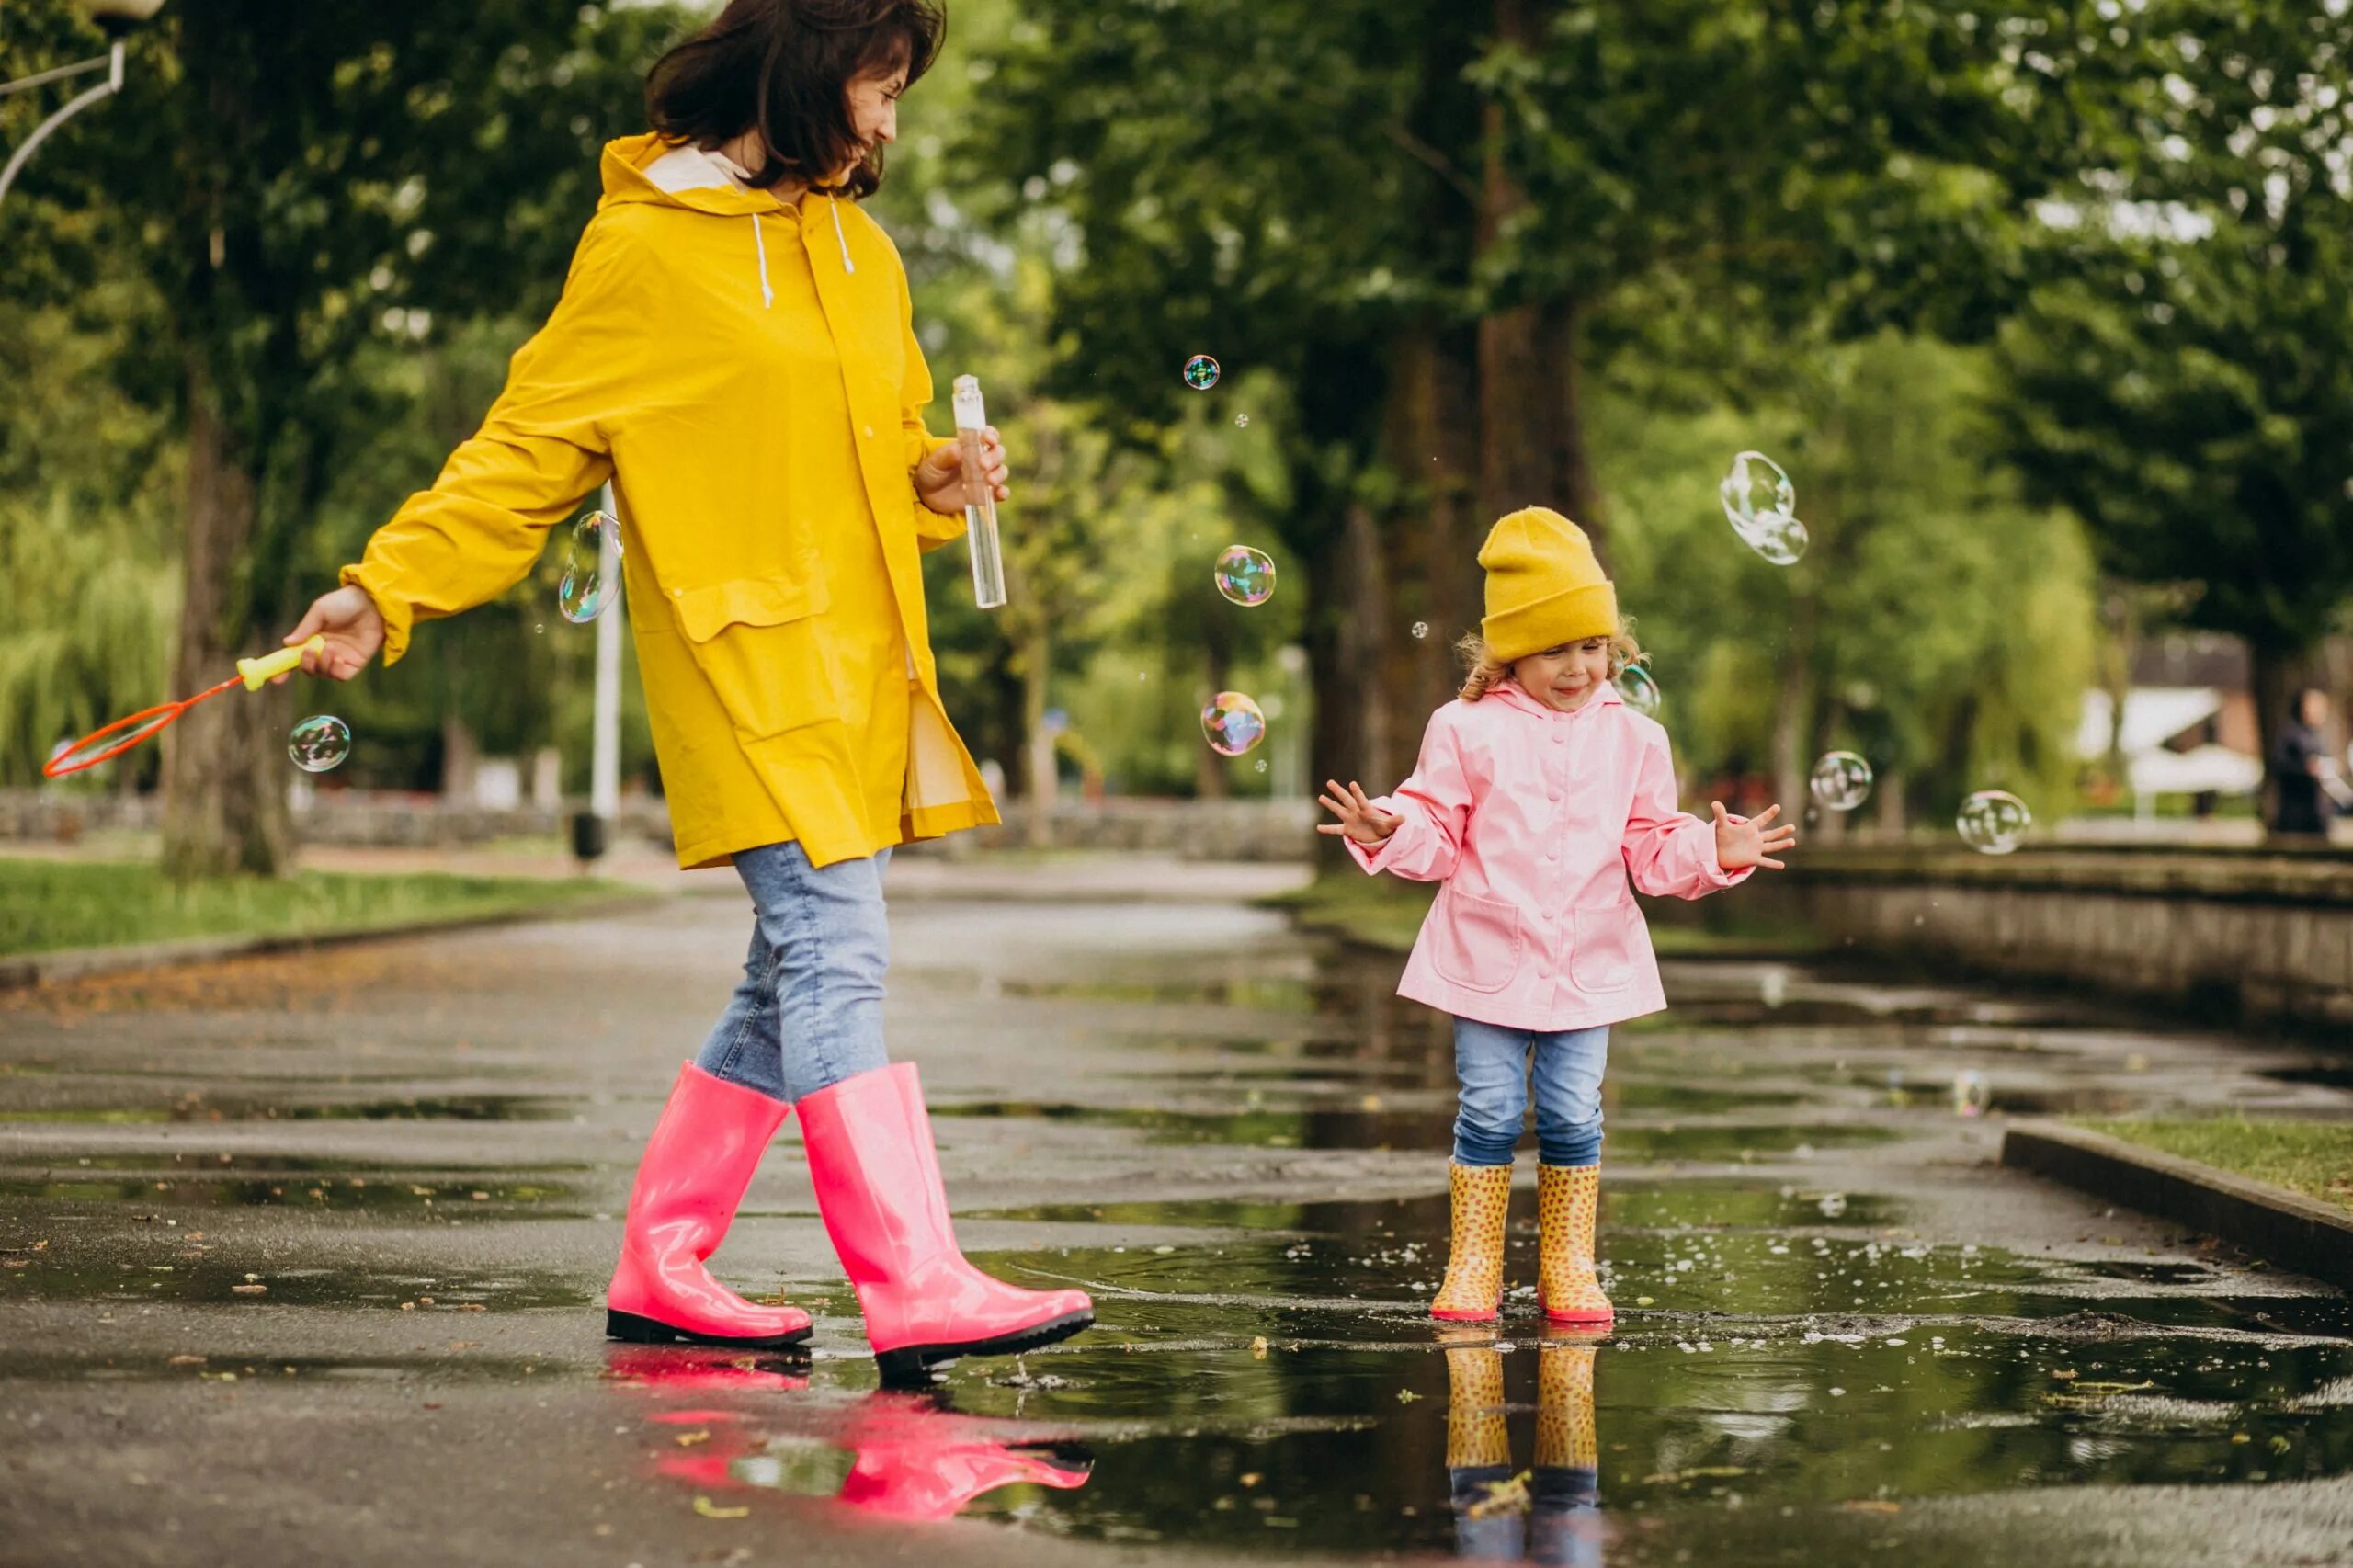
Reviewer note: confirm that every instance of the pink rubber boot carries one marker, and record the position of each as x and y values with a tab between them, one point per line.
696	1167
877	1186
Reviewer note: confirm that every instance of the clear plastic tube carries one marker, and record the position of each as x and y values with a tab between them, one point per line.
980	497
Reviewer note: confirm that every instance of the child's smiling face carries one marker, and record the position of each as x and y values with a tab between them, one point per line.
1563	677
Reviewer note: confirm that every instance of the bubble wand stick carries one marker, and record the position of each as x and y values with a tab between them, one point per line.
104	746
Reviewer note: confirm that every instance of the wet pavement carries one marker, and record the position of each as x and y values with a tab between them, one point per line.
300	1257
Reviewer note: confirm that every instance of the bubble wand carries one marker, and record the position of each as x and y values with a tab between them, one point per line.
104	746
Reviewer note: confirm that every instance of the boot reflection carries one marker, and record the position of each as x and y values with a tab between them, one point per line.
1564	1490
912	1457
1490	1503
917	1460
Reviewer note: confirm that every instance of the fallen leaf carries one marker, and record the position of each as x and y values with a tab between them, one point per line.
472	1307
248	1289
688	1440
185	1361
1869	1506
1645	1300
711	1510
1258	1349
1249	1478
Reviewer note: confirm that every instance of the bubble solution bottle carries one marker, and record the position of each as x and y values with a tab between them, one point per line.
980	498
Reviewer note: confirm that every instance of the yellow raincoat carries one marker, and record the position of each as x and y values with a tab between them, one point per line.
746	374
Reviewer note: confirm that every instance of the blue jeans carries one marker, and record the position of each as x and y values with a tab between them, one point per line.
1491	1063
808	1012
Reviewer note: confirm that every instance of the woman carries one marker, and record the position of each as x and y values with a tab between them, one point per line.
734	350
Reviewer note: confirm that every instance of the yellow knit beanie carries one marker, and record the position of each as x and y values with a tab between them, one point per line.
1544	588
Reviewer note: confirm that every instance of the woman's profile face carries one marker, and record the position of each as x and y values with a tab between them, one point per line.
873	99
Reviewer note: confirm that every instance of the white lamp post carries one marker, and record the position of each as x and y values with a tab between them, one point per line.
117	18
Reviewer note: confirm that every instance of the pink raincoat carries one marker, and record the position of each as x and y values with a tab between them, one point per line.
1536	819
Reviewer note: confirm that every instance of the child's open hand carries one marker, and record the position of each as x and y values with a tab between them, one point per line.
1740	845
1360	818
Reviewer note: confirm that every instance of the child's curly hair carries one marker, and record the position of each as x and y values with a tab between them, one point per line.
1487	671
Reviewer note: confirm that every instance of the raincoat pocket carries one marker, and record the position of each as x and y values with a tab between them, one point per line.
1602	954
755	642
1475	941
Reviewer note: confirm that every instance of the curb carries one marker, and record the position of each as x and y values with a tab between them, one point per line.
2273	1224
83	963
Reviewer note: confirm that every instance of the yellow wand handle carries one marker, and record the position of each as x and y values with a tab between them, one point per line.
269	666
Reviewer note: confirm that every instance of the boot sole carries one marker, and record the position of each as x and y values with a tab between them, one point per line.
913	1363
636	1330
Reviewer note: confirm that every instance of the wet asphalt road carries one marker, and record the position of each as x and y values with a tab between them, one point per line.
1845	1336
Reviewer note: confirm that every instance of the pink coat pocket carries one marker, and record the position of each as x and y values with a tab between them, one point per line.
1475	941
1602	954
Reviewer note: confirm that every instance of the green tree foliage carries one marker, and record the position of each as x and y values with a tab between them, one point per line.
300	186
2190	392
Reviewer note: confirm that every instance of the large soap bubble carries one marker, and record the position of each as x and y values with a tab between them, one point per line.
1201	372
319	743
1754	487
1840	781
1639	690
1993	822
1245	575
591	567
1232	723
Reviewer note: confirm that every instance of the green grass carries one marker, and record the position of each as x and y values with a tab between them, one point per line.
2315	1158
47	905
1386	911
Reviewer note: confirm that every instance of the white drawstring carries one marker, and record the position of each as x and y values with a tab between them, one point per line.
839	238
760	243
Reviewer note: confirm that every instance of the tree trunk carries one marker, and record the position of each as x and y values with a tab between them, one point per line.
1211	769
225	767
1793	708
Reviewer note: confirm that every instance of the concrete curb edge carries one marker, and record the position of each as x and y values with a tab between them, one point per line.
2282	1227
83	963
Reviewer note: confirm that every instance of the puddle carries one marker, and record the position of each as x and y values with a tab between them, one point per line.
2330	1075
194	1107
338	1194
169	1271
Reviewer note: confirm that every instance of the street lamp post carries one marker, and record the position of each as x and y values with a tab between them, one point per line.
117	18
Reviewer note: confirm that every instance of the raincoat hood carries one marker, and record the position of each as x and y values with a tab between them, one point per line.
700	182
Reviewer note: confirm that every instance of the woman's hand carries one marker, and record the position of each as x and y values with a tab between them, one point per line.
939	478
1740	845
354	630
1360	818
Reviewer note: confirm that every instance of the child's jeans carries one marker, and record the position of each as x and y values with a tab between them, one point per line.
1491	1065
808	1012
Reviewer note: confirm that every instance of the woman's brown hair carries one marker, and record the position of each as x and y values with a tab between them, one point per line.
1487	671
783	67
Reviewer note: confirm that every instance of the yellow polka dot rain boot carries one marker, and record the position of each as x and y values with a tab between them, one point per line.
1568	1200
1473	1289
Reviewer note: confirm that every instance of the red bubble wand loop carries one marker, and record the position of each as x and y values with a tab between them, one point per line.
104	746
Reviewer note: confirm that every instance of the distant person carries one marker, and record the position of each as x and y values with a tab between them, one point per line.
1539	796
2301	769
735	350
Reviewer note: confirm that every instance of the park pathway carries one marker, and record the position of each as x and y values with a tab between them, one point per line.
303	1254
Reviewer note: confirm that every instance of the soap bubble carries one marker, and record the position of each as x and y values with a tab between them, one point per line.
1840	781
1232	723
319	743
1972	1096
591	567
1639	690
1421	630
1245	575
1201	372
1779	538
1992	822
1242	422
1262	764
1832	1204
1754	487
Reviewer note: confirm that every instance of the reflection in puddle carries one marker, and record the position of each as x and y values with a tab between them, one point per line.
197	1274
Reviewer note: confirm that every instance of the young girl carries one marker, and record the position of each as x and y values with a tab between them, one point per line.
1537	796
